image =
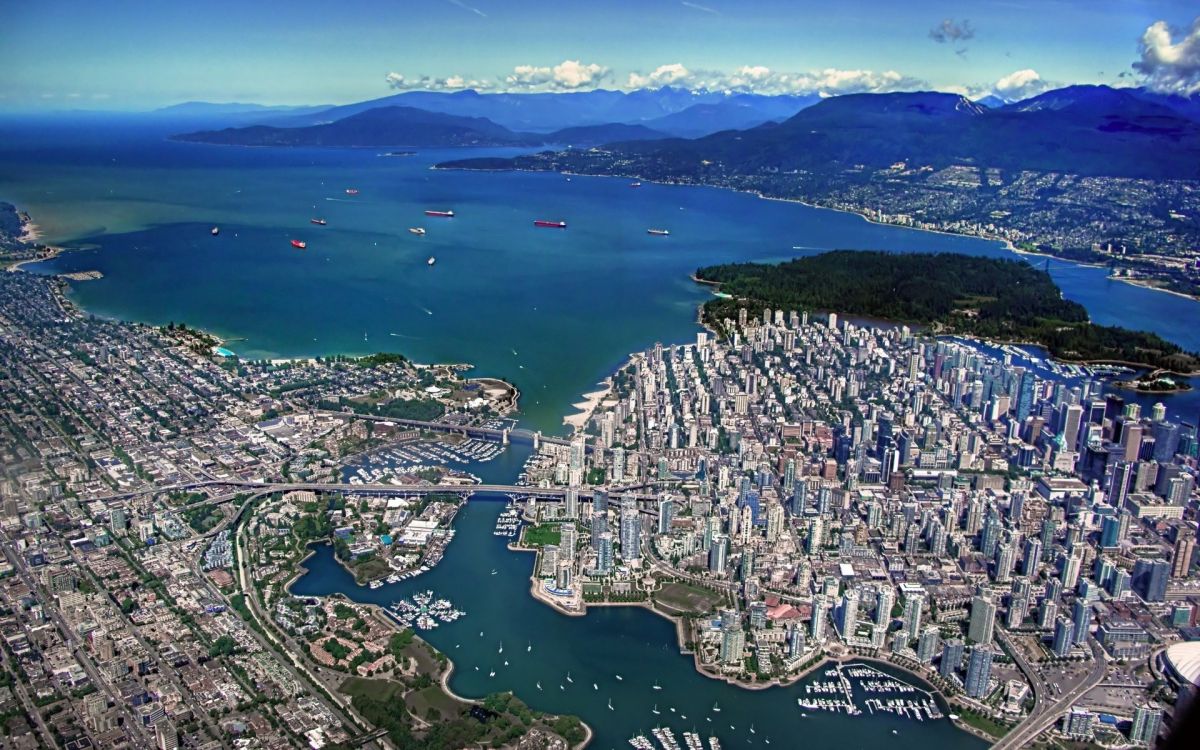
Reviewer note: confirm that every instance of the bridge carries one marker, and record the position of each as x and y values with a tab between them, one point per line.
407	490
501	435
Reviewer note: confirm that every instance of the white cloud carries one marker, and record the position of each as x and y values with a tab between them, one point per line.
760	79
566	76
400	82
464	6
1170	66
699	7
663	75
1020	84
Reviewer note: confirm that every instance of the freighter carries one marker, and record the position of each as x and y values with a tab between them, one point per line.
658	232
351	191
550	224
299	244
444	214
318	222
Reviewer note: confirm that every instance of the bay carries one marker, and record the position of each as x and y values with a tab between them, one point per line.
551	310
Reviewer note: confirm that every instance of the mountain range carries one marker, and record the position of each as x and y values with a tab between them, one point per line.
1084	130
407	126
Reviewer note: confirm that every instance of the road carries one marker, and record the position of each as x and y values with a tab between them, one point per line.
1044	716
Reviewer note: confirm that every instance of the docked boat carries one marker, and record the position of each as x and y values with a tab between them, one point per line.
442	214
299	244
318	222
550	224
376	584
351	191
658	232
419	231
216	231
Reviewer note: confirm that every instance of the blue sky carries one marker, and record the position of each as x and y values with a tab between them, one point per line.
134	54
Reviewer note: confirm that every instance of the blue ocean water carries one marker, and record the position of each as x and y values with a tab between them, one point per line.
552	310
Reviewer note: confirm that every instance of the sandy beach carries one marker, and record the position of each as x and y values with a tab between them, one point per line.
587	406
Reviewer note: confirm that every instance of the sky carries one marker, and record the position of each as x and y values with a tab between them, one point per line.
140	54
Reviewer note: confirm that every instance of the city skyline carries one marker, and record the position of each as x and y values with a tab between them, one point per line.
150	55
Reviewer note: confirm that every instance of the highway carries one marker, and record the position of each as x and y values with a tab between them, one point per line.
1042	717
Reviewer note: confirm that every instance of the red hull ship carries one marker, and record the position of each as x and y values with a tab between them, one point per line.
443	214
299	244
550	224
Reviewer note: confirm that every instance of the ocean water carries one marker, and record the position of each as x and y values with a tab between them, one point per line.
552	310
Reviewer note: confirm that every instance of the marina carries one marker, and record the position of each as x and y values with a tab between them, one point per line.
423	612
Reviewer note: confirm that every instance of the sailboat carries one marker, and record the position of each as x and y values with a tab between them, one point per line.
539	686
716	708
529	647
610	708
672	708
492	673
569	677
501	651
506	662
619	677
560	687
657	686
752	729
595	686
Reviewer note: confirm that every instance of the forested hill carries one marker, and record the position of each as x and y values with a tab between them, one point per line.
986	297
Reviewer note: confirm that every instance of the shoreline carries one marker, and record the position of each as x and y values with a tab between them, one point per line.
863	213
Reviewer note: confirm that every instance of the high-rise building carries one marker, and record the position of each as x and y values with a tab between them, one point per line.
819	613
927	644
1147	720
979	671
847	615
631	529
912	615
1078	723
1081	613
883	606
165	735
952	657
983	619
604	554
1185	548
599	516
1150	579
1063	636
718	554
666	513
733	638
571	502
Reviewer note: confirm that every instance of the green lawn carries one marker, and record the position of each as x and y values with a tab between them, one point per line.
421	701
541	535
685	597
984	724
378	689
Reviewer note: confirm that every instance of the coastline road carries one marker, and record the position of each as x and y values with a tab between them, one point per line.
1043	717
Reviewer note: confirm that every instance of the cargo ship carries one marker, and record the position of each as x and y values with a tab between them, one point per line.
443	214
351	191
550	224
658	232
318	222
419	231
299	244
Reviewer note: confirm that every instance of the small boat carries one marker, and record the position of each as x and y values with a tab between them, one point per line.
671	709
655	710
492	673
610	708
419	231
716	708
318	222
657	686
431	261
476	669
299	244
215	231
560	687
493	571
619	677
595	686
539	686
442	214
569	677
550	224
752	729
351	191
635	184
895	732
506	662
501	651
658	232
529	647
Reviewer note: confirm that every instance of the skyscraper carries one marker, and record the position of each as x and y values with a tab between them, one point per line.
983	620
928	643
1081	613
666	513
1150	579
631	529
1064	631
604	555
952	656
912	615
979	671
1147	720
1185	547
